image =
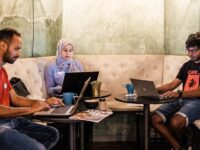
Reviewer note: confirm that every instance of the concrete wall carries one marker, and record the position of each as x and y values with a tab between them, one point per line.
115	26
102	26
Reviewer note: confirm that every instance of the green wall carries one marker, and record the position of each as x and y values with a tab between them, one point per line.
39	21
102	26
115	26
182	17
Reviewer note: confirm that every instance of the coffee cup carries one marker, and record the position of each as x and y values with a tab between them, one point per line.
129	87
96	87
68	98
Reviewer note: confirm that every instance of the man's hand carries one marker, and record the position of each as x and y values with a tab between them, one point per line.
39	106
170	94
54	101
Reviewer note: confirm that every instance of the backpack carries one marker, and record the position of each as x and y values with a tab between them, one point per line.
19	87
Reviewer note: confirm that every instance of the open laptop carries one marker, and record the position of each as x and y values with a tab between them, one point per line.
147	89
65	111
73	81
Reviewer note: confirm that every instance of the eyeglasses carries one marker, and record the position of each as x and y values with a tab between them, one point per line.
192	50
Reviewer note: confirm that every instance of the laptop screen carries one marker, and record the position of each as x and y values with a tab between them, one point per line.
74	81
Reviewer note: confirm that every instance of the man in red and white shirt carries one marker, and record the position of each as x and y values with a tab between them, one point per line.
16	132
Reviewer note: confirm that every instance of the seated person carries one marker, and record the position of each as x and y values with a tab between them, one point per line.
171	119
16	132
55	72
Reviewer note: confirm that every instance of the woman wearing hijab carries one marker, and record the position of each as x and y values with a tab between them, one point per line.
54	72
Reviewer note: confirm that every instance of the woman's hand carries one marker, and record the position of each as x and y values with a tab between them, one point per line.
57	88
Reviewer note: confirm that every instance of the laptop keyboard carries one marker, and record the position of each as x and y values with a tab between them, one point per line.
61	110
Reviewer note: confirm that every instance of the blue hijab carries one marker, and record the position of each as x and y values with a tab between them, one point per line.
69	65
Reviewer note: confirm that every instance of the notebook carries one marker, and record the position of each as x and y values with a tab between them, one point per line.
73	81
65	111
147	89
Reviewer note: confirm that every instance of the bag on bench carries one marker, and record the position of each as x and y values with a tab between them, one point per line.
19	87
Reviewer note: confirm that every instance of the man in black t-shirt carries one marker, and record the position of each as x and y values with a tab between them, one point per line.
171	119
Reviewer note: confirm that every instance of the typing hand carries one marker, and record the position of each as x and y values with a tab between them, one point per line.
54	101
170	94
39	106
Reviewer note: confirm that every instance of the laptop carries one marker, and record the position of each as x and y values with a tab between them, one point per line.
146	89
65	111
73	81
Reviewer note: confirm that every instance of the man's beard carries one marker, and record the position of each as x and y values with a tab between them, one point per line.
7	59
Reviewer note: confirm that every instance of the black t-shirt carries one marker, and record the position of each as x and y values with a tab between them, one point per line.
189	74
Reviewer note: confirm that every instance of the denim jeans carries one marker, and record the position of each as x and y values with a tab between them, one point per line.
188	108
22	134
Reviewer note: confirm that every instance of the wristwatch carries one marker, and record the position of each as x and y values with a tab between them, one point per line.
180	93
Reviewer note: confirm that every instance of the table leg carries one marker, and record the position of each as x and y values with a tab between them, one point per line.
72	136
146	126
82	142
